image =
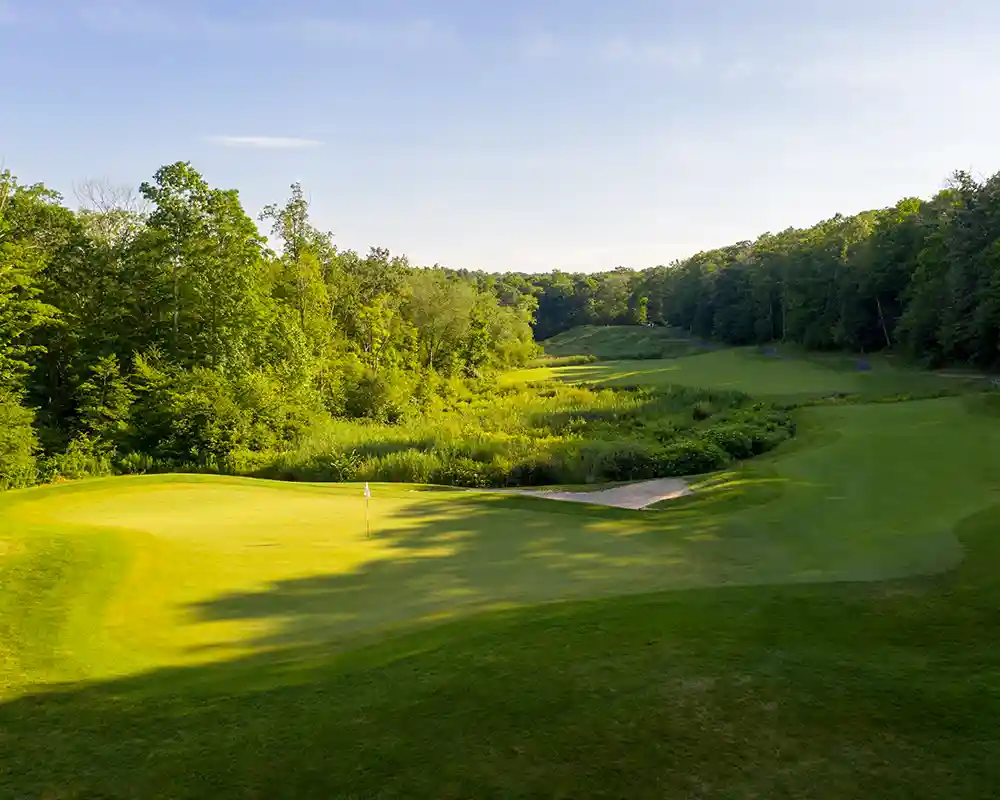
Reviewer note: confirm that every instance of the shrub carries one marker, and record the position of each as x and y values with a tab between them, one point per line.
84	457
18	443
534	472
201	417
690	457
472	435
405	466
702	410
628	461
468	472
333	467
376	396
737	439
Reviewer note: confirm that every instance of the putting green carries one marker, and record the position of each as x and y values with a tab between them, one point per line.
114	576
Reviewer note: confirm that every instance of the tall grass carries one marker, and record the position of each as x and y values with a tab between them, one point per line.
542	434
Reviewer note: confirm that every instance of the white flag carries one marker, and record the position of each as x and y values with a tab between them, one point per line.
368	492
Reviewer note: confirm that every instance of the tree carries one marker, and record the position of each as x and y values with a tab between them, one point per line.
216	263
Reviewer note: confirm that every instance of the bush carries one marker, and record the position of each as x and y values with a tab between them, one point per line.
690	457
136	464
406	466
736	439
702	410
18	443
534	472
468	472
203	418
625	461
377	396
84	457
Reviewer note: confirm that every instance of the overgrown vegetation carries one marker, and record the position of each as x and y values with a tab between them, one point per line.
527	435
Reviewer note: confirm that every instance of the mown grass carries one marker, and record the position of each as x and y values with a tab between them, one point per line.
218	620
611	342
775	376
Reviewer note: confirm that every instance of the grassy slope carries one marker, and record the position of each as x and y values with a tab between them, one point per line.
826	691
621	341
764	376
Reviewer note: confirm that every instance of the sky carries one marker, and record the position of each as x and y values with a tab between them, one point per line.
525	135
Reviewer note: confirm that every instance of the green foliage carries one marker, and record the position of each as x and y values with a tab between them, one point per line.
84	457
204	418
31	230
920	277
18	443
158	331
376	396
546	434
165	334
105	401
692	456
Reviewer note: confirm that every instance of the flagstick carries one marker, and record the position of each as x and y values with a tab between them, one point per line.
368	525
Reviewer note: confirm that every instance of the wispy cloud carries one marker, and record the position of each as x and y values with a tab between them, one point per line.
269	142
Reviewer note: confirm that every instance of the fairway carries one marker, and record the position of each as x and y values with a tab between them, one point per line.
765	376
607	342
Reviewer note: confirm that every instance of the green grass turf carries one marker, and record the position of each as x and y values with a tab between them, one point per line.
215	619
621	341
747	369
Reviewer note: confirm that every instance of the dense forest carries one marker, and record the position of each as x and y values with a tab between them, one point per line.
160	326
161	329
921	278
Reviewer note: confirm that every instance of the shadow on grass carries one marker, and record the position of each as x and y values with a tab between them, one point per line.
473	551
886	690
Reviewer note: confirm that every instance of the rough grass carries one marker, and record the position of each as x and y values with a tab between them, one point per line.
779	376
884	688
610	342
536	435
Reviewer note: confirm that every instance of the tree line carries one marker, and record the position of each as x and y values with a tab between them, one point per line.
921	278
162	325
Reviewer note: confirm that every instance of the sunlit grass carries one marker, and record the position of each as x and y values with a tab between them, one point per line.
263	592
781	375
168	548
608	342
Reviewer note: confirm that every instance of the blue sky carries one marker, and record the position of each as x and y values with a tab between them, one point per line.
576	135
